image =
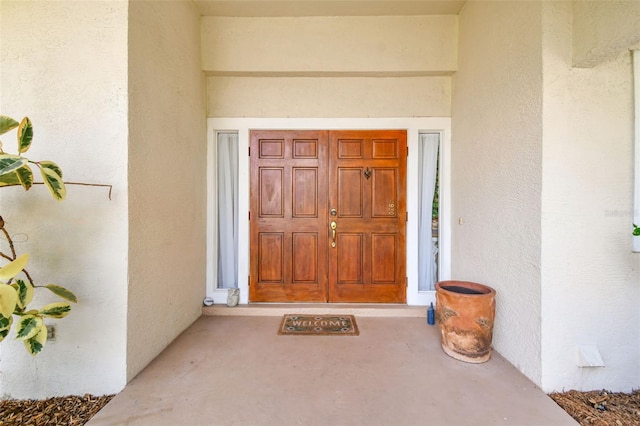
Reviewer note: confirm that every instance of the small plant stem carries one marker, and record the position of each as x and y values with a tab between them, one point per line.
100	185
13	252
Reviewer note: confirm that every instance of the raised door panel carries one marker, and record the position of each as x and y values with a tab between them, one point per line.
385	148
305	192
305	258
349	192
271	257
383	248
271	193
350	148
350	247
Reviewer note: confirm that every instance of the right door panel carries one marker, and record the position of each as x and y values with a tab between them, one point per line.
367	193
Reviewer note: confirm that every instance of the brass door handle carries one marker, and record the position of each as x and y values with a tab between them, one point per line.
333	226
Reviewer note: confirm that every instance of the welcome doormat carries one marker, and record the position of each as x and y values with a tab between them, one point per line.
319	325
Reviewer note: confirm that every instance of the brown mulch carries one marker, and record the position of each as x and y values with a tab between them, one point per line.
601	408
67	411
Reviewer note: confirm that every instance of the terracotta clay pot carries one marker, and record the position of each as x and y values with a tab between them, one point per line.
465	312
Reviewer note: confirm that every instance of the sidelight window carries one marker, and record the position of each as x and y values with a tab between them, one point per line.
428	210
227	209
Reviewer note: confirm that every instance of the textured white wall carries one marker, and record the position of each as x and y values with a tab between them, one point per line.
590	278
603	29
497	167
329	97
330	44
167	176
64	64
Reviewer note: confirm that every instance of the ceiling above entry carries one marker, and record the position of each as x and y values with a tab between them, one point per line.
281	8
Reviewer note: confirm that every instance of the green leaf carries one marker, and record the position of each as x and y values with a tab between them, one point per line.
5	326
14	267
25	135
10	162
5	322
10	179
28	327
6	124
54	183
25	176
36	343
25	292
8	300
56	310
62	292
51	165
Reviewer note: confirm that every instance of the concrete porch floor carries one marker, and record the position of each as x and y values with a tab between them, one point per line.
231	368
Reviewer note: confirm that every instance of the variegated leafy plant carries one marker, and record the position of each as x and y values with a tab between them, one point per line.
17	293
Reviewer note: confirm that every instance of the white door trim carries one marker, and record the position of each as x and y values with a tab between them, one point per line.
413	126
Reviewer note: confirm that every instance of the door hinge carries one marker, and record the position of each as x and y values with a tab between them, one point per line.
248	280
249	149
249	215
407	151
406	281
407	218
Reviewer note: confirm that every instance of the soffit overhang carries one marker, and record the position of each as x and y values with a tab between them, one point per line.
284	8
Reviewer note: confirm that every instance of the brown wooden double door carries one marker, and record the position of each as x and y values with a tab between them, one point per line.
328	216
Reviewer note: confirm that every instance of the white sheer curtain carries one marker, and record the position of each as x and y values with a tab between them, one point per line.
227	166
427	248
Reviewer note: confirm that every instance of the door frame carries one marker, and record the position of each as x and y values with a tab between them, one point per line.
414	127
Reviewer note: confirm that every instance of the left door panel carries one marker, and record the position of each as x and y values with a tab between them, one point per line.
288	216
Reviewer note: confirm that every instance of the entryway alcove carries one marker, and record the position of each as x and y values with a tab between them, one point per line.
291	184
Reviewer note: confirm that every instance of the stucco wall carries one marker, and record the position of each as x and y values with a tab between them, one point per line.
330	44
329	97
167	176
329	66
64	64
497	167
603	29
590	278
